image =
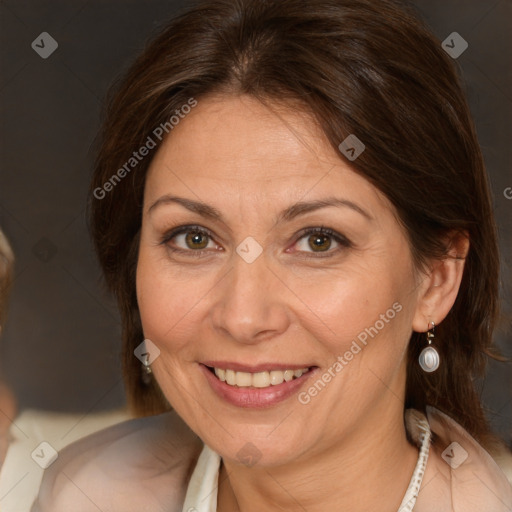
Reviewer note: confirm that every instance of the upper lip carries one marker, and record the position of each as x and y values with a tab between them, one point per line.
262	367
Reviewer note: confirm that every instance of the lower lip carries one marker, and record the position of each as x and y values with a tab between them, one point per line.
251	397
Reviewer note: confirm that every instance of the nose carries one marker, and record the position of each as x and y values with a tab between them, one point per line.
250	303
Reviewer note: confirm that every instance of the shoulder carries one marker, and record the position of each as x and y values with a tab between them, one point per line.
141	464
461	476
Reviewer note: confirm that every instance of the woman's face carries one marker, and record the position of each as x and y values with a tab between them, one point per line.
234	273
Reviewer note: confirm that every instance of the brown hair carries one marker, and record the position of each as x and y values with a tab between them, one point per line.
363	67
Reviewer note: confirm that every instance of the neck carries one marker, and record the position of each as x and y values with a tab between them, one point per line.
368	470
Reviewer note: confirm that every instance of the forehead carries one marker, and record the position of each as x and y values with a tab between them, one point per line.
237	146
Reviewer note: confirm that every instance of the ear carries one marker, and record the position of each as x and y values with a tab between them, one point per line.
440	285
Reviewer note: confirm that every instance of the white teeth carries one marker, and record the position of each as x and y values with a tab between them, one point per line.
288	375
243	379
276	378
230	377
259	379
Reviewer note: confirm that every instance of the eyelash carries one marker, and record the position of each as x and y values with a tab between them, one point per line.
340	239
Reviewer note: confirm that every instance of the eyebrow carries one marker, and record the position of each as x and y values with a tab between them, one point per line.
290	213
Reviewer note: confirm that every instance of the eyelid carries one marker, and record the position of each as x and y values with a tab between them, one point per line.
178	230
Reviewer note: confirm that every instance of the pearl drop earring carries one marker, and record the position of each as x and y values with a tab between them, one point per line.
429	358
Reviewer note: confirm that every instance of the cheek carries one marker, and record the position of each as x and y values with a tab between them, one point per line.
358	302
167	301
366	317
368	323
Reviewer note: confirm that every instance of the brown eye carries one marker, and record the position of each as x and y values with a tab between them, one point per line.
189	239
319	243
196	240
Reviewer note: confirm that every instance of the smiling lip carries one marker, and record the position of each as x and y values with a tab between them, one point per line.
262	367
252	397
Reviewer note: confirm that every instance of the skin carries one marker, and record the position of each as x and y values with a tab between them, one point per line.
293	305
